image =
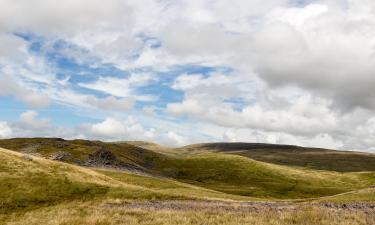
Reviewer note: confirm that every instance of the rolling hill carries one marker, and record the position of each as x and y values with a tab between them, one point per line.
68	175
290	155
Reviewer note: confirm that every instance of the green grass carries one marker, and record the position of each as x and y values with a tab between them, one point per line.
171	187
365	195
28	184
225	168
41	191
81	149
312	158
242	176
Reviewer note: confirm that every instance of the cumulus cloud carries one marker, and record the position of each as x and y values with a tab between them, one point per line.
116	129
284	115
322	140
12	48
64	18
29	125
326	50
175	139
5	130
295	71
313	46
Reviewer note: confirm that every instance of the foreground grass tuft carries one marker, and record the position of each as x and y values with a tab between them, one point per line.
94	213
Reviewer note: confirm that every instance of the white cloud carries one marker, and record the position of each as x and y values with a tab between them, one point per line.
188	106
28	121
64	18
5	130
311	46
122	87
299	72
176	139
117	129
250	135
12	49
111	103
32	98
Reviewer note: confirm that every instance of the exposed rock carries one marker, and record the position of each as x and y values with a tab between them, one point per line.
222	206
105	158
27	157
31	150
60	156
203	205
350	206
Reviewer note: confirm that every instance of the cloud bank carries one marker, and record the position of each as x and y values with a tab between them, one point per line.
179	72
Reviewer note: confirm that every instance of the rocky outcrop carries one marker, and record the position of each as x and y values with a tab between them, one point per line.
106	159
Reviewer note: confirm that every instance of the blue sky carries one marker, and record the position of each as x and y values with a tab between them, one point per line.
182	72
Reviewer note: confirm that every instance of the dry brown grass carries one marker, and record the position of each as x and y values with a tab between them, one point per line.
95	213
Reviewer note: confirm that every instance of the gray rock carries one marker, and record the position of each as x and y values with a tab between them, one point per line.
60	156
27	157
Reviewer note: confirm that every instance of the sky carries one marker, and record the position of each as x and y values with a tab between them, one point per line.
177	72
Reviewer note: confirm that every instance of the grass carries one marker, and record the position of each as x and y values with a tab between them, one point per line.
41	191
312	158
221	171
364	195
28	184
171	187
80	150
242	176
93	213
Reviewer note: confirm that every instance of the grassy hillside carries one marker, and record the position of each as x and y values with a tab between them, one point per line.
242	176
289	155
227	173
36	190
86	153
27	182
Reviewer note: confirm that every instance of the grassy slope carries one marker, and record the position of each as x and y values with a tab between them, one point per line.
81	149
27	184
313	158
243	176
364	195
227	173
43	191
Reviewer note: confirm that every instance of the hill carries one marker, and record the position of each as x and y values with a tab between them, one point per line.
86	153
28	183
55	181
220	167
290	155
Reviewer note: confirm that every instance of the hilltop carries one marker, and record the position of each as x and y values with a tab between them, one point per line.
291	155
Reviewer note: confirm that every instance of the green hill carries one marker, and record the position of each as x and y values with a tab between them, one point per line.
56	181
28	182
243	176
86	153
220	167
290	155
